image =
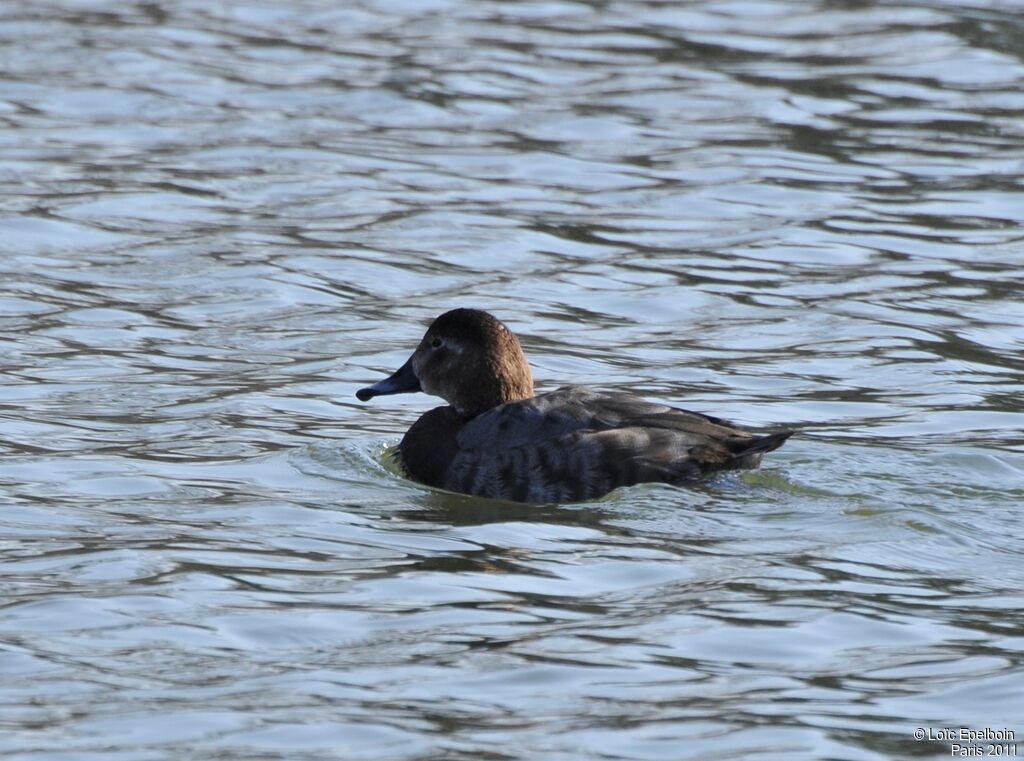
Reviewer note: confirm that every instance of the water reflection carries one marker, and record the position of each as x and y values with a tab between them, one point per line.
220	220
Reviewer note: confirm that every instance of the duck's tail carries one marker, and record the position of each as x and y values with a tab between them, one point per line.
749	456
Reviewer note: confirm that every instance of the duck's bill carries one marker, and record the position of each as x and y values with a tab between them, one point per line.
402	381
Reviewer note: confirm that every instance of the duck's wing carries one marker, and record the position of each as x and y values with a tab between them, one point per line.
534	420
574	408
576	443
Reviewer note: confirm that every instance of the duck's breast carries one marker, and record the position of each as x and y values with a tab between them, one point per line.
431	444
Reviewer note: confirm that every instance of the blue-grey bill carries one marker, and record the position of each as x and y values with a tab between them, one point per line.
402	381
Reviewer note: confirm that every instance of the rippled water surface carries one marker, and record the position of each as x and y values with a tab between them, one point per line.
220	219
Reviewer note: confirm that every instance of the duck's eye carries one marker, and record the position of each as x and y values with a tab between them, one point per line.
437	343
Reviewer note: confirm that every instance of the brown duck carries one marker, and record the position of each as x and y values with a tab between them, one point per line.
496	439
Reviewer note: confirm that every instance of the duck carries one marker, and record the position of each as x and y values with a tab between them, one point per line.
495	438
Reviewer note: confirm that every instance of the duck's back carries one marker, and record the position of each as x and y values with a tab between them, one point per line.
574	444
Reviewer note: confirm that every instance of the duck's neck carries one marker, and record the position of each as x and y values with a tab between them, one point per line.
493	390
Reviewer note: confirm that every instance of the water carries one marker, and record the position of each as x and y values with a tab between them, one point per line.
220	220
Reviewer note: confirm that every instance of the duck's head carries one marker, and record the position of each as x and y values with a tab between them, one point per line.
468	358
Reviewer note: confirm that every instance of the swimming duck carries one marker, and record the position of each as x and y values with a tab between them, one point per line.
496	439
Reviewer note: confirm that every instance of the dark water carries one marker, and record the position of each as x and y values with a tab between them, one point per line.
220	219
